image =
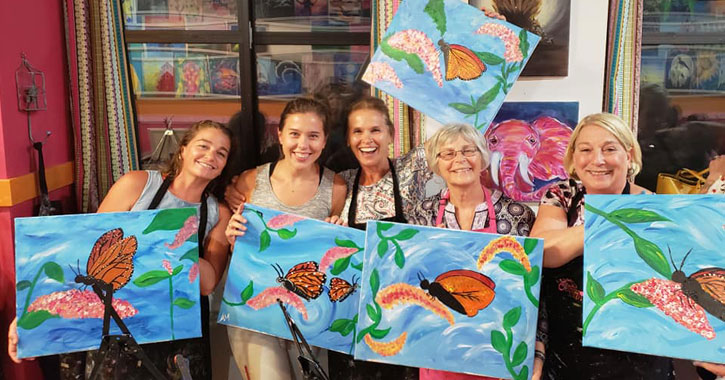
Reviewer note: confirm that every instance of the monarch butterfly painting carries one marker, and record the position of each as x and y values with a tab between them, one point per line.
303	279
460	62
705	287
110	261
464	291
341	289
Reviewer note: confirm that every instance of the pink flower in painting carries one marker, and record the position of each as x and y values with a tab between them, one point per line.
192	77
269	297
167	266
283	220
416	42
190	227
193	272
381	71
333	254
75	303
668	296
509	38
493	14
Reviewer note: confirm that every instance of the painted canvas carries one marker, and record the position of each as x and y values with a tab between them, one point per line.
311	266
149	259
451	300
449	60
548	19
527	141
192	77
224	75
655	275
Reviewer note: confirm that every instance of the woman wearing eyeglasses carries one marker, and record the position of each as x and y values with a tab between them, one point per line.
456	153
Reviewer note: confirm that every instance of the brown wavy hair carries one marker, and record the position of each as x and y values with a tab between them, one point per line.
217	185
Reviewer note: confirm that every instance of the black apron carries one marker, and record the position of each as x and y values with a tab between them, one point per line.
352	212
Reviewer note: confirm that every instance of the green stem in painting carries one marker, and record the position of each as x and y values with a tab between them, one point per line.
30	290
171	305
598	305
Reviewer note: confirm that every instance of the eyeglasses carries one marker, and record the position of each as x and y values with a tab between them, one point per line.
468	151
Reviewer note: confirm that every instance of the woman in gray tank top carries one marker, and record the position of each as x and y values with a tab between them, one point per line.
294	184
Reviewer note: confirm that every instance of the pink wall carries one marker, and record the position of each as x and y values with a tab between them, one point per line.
36	28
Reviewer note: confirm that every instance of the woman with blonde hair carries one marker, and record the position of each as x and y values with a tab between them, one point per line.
602	157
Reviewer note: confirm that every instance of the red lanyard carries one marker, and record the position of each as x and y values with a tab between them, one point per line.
491	212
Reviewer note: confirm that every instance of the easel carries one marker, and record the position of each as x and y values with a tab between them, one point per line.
311	369
124	343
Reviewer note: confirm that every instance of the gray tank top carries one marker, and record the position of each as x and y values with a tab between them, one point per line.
319	207
153	183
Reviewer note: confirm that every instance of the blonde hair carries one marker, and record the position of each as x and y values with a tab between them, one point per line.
448	133
617	127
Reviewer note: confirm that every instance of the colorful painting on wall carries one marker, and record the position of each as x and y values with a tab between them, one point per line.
311	266
149	258
192	77
450	300
224	75
549	19
449	60
664	294
527	141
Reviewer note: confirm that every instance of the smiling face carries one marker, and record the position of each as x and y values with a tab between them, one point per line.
302	138
368	137
460	171
600	160
206	154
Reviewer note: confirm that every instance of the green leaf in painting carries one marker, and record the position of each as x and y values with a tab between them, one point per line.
412	60
463	108
399	257
511	318
357	266
435	10
405	234
264	240
633	215
22	285
33	319
347	329
519	354
194	238
595	290
340	265
54	271
524	42
192	254
184	303
346	243
169	219
532	277
652	256
339	324
487	97
631	298
151	277
374	282
372	313
489	58
382	247
382	227
530	244
498	341
177	270
286	234
511	266
379	334
247	292
524	374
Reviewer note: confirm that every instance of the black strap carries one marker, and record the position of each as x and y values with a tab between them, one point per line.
274	163
352	211
573	212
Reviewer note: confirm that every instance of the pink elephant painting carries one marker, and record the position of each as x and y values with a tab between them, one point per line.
527	156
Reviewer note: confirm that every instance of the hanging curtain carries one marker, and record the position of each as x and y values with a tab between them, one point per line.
101	108
623	59
408	122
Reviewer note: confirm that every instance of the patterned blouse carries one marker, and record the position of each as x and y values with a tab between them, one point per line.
376	201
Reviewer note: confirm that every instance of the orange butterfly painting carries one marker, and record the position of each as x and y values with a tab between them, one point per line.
464	291
303	279
341	289
461	62
110	261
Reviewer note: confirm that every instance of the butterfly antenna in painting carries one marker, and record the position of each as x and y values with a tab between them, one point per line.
682	264
278	269
671	259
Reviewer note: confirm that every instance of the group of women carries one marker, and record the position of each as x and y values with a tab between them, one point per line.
602	155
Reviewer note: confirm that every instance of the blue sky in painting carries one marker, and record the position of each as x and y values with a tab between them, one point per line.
67	240
420	90
566	112
431	341
313	239
610	256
